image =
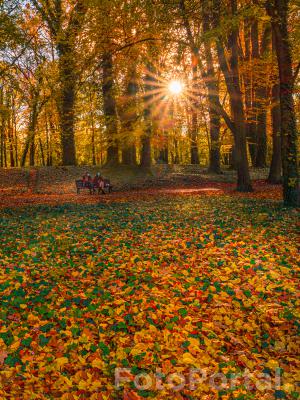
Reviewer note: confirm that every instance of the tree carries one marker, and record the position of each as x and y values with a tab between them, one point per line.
230	69
149	87
109	108
209	79
64	24
129	117
275	167
278	11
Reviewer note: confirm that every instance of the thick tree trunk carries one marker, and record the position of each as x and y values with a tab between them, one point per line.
64	35
278	10
67	78
232	80
275	167
109	108
236	101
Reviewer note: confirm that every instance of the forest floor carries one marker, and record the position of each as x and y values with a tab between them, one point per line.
154	285
56	185
189	283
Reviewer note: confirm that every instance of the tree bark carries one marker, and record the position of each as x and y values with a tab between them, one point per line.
92	122
10	130
32	151
278	10
67	78
194	124
109	108
64	26
2	128
129	117
237	125
252	123
146	159
164	153
232	79
213	99
262	100
275	167
30	134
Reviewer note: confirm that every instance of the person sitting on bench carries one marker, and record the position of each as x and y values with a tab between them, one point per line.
98	183
87	180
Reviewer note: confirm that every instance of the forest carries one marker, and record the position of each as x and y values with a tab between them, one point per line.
149	195
143	82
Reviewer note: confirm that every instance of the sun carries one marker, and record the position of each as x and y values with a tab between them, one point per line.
175	87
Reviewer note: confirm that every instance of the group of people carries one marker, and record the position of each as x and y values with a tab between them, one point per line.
97	182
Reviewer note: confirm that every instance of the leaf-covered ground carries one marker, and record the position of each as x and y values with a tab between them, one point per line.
158	285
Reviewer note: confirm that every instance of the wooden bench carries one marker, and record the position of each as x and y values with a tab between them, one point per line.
80	185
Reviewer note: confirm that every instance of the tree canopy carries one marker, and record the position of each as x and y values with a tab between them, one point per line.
92	82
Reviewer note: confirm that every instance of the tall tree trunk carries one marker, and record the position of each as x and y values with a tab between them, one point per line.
42	152
48	140
67	78
213	99
30	135
92	128
146	148
93	145
10	130
109	108
2	127
252	123
275	167
176	152
32	151
248	89
232	80
278	10
129	118
11	142
146	159
214	117
14	130
261	131
262	100
194	107
164	153
52	130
